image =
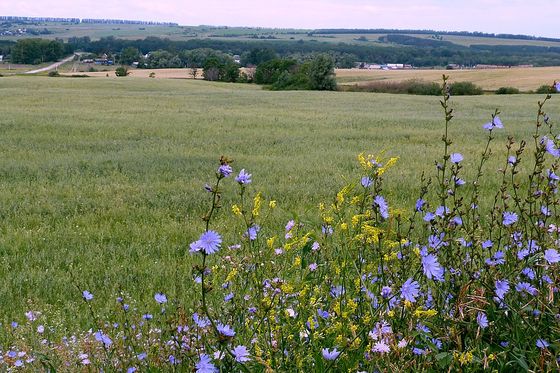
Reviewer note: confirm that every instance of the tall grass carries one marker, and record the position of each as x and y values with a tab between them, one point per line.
103	178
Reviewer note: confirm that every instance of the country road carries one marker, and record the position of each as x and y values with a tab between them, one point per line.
51	67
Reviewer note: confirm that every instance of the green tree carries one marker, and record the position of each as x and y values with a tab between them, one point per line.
321	74
129	55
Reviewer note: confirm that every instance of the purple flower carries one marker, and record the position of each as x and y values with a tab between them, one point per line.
160	298
509	218
487	244
482	320
456	158
225	170
103	338
429	216
141	356
420	204
550	146
241	354
557	86
225	330
381	347
205	365
313	267
366	182
551	256
209	243
529	273
496	123
383	207
228	297
432	269
512	160
410	290
502	287
243	177
131	370
542	344
201	322
18	363
330	355
87	295
498	258
252	232
526	287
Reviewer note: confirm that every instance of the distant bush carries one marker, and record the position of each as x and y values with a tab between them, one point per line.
92	70
54	73
507	91
411	87
121	71
465	89
545	89
79	76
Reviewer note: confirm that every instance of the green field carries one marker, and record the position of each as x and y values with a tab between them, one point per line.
105	176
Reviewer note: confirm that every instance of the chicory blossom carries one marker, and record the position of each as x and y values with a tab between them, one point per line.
87	295
366	182
209	243
542	344
420	204
551	256
509	218
495	123
432	269
241	354
225	170
383	207
252	232
557	86
330	355
244	177
527	288
225	330
410	290
482	320
381	347
103	338
456	158
502	287
204	365
160	298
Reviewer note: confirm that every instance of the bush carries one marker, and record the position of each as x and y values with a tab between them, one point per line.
412	87
465	89
546	89
121	71
507	91
54	73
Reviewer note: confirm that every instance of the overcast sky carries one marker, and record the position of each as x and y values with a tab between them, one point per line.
535	17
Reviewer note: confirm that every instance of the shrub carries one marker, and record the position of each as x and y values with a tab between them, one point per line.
507	91
465	89
54	73
121	71
413	87
546	89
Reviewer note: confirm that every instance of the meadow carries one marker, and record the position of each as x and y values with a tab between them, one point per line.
106	175
102	190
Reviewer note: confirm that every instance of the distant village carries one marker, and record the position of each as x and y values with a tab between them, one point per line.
402	66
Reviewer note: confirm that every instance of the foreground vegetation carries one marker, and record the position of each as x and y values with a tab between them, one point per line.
101	204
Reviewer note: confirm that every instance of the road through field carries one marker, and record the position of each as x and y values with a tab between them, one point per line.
51	67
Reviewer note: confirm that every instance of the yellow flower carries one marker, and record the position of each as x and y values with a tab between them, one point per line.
270	242
287	288
231	274
257	201
344	226
425	313
297	261
390	163
236	210
272	204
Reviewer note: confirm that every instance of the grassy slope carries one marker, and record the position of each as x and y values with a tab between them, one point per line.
105	175
96	31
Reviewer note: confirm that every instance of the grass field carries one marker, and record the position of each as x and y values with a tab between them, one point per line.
525	79
103	178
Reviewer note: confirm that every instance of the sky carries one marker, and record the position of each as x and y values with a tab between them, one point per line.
535	17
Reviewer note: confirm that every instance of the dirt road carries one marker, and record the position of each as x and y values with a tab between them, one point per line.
51	67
